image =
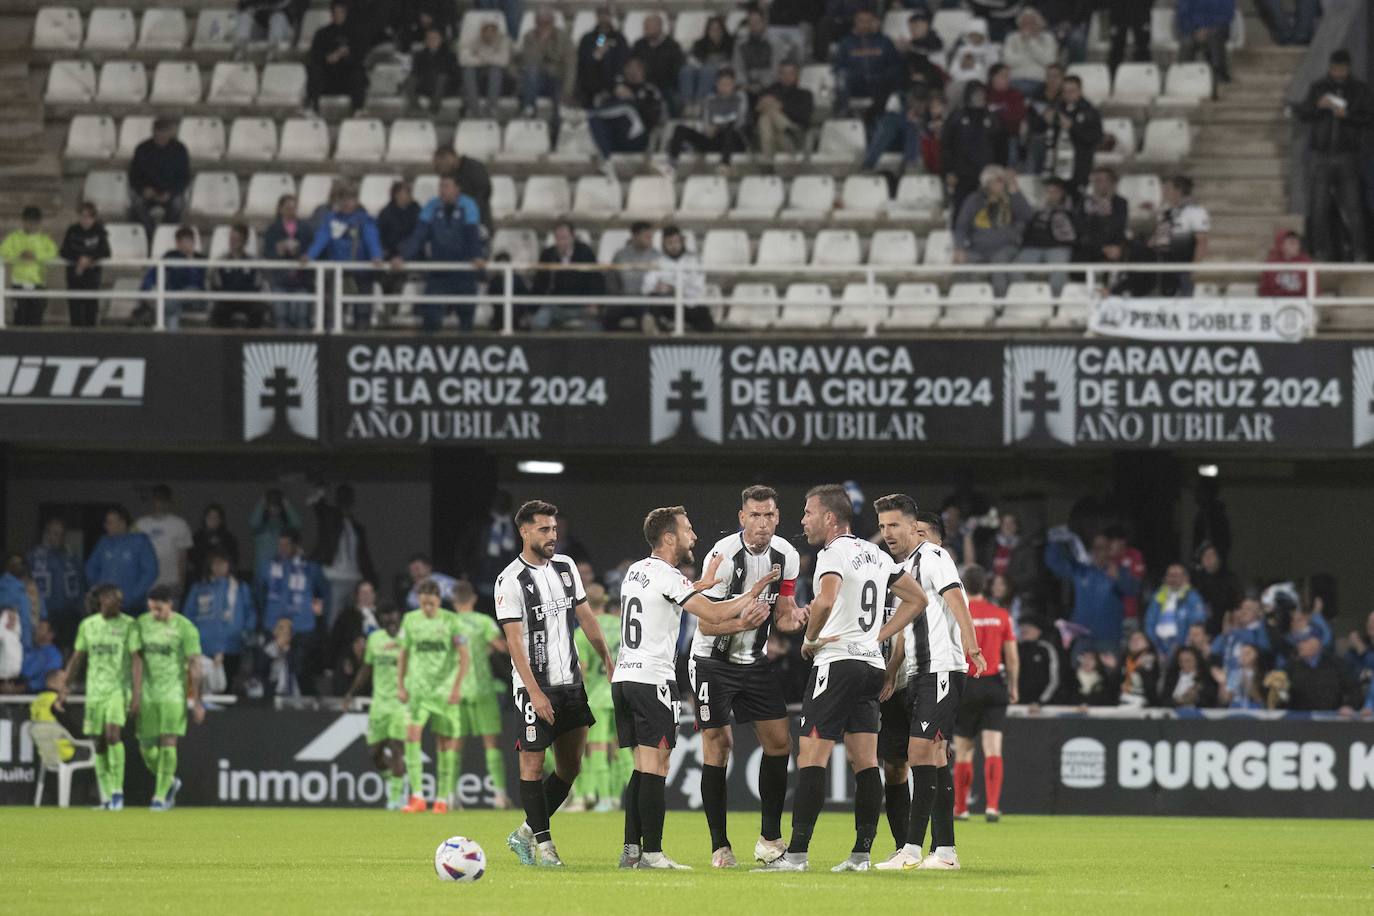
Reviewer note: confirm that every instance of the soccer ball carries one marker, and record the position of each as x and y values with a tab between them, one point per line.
459	859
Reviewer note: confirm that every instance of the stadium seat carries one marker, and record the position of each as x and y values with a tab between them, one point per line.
939	248
1186	85
810	197
819	79
861	306
806	305
914	305
1073	307
70	81
91	137
611	241
165	239
950	25
597	196
386	82
283	84
479	139
546	196
128	241
918	197
361	140
426	188
1137	84
895	24
57	28
525	139
650	197
204	138
122	82
253	139
473	19
219	242
704	197
689	26
1143	193
233	83
632	25
313	20
837	248
503	198
574	143
753	305
133	130
969	305
842	141
374	191
1167	140
215	194
1029	304
583	21
1163	37
1240	290
109	191
760	198
1032	188
411	140
781	248
893	248
176	82
163	29
1122	130
725	248
522	245
215	30
110	29
862	197
305	139
264	190
314	193
1207	290
1097	81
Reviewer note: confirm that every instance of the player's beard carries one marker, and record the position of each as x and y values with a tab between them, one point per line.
685	556
547	549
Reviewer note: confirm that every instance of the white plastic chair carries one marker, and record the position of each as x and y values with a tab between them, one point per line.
760	197
842	140
939	248
632	26
165	238
918	196
110	29
163	29
264	190
1029	304
480	139
575	143
215	30
1167	140
753	305
1186	85
176	82
861	306
91	137
819	79
689	26
950	25
704	197
650	197
71	81
133	130
122	82
781	248
215	194
914	306
521	244
1144	194
837	248
313	20
47	740
253	139
57	28
233	83
1097	81
109	191
862	197
610	243
412	140
361	140
725	248
283	84
546	195
374	192
1136	84
219	242
127	240
806	305
314	192
893	248
525	139
969	305
811	197
597	195
203	137
306	139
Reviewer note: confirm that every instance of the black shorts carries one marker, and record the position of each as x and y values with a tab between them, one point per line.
645	714
895	733
751	693
935	704
841	697
983	706
570	711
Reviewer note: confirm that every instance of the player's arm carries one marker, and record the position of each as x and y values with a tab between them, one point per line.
894	665
788	616
911	604
498	644
745	607
360	680
1011	657
401	693
73	666
521	662
954	600
136	669
819	612
709	579
464	663
587	620
728	628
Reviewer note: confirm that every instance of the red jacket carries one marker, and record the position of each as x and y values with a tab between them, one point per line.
1284	282
1010	106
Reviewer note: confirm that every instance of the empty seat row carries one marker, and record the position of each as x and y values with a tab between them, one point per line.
1182	85
125	82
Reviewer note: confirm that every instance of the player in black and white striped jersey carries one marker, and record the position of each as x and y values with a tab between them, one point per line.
732	676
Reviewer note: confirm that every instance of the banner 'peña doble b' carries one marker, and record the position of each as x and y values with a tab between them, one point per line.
706	393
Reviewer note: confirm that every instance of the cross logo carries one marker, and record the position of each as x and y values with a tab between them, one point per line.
1362	395
1039	400
685	385
281	392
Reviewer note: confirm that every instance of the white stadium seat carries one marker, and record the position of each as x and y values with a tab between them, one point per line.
842	140
895	24
361	140
253	139
1029	304
914	305
811	197
133	130
176	82
165	239
219	242
233	83
632	25
597	195
110	29
109	191
204	138
649	197
215	194
426	188
314	192
1097	81
781	248
753	305
306	139
127	240
91	137
1136	84
57	28
283	84
313	20
725	248
521	244
837	248
1238	290
689	26
950	25
863	197
480	139
525	139
574	143
163	29
70	81
704	197
1163	38
760	197
969	305
1143	193
1122	130
546	196
861	306
1073	307
893	248
264	190
610	243
215	30
1187	85
411	140
806	305
1167	140
582	23
1032	188
502	196
939	248
122	82
918	196
374	192
819	80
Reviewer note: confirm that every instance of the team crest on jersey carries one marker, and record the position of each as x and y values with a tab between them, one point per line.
567	580
530	733
706	713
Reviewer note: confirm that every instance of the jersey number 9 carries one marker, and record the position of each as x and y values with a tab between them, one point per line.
868	604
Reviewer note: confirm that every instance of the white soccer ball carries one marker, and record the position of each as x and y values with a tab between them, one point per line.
459	859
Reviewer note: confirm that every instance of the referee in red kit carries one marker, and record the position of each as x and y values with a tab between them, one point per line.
984	704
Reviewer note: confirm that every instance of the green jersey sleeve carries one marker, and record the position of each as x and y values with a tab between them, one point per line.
83	642
135	643
190	637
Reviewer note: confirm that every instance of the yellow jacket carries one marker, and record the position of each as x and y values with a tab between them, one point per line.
28	273
40	710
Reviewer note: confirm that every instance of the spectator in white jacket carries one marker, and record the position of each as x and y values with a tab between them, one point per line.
680	265
11	645
1028	51
485	56
970	59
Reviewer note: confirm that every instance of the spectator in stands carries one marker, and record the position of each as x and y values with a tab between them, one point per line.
712	51
678	264
61	580
42	659
723	118
1103	217
343	654
867	66
272	21
783	112
472	176
567	249
601	57
284	240
1043	666
213	534
1318	681
170	534
1172	610
511	9
1001	15
1304	622
970	142
1029	51
1007	102
921	40
335	65
1140	673
272	515
1287	250
123	558
909	130
282	657
434	73
14	593
221	606
414	18
485	55
989	225
1180	236
922	56
970	59
178	279
1128	19
1040	109
625	116
1204	26
1189	682
1339	111
11	651
237	280
794	22
159	174
1219	587
26	252
1098	586
1244	627
759	52
341	547
1094	682
293	588
663	61
348	234
449	229
1290	30
634	260
420	568
1051	233
1069	20
84	246
1242	685
395	224
1075	126
496	292
548	66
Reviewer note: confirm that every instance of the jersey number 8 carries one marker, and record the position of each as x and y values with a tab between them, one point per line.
529	713
632	629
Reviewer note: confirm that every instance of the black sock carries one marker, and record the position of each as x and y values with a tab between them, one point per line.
942	814
713	800
630	804
772	794
923	781
898	797
868	796
536	809
806	807
555	792
652	801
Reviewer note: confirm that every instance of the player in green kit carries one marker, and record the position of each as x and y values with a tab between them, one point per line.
479	712
432	649
170	646
386	717
114	685
606	767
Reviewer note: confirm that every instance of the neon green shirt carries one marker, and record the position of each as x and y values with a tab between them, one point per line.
108	645
30	273
166	648
382	652
431	651
595	680
479	630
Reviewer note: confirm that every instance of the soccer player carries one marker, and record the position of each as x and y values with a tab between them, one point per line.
537	596
898	531
479	712
432	649
847	676
386	717
934	646
114	685
171	658
604	771
653	595
731	674
984	705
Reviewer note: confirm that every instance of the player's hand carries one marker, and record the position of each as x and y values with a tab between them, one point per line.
710	579
456	697
889	687
774	575
609	664
133	705
811	646
754	617
1013	694
980	664
198	712
542	707
317	606
403	695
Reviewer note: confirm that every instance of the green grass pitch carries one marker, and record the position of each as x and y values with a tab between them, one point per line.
247	861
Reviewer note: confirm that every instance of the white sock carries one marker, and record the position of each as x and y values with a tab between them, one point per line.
912	849
945	852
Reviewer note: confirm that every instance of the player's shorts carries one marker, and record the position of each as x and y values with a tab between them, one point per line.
982	707
386	722
157	718
646	714
603	732
570	711
935	704
895	732
434	711
111	709
479	715
749	693
841	697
